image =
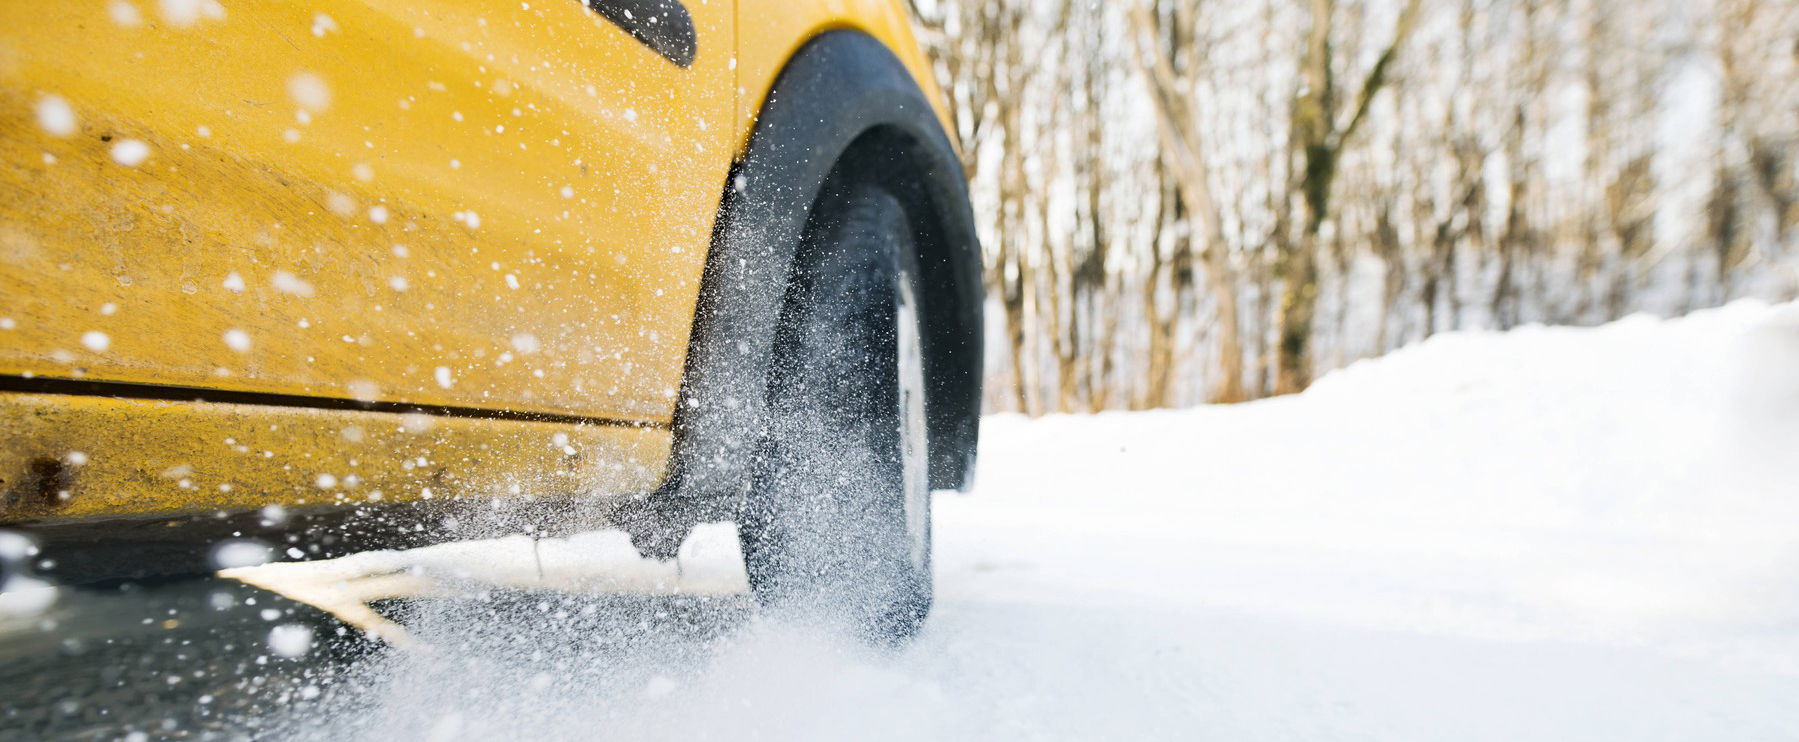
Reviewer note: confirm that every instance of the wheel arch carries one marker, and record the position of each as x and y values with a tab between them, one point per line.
843	97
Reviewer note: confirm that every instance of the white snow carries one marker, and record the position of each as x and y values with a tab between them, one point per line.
185	13
290	640
288	283
25	597
323	24
237	340
96	340
340	204
124	13
56	116
130	152
309	91
241	553
1553	533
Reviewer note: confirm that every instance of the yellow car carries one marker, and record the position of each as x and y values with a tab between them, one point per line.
341	273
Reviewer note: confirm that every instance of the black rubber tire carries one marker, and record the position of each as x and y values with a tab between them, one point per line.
830	527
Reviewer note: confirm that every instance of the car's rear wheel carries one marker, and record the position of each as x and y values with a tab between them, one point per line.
837	523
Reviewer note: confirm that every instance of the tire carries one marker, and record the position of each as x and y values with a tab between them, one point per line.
836	525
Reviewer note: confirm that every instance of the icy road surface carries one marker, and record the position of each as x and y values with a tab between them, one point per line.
1570	534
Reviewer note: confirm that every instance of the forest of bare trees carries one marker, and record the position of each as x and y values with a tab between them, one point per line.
1187	201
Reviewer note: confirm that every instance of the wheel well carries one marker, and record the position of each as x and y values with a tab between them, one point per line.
842	99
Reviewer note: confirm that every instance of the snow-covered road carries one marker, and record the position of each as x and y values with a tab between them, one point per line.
1548	534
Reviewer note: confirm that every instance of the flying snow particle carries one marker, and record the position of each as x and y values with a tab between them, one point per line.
124	13
512	280
185	13
16	547
25	596
568	192
273	515
96	340
398	283
56	116
310	91
237	340
130	152
363	172
364	390
322	24
443	377
525	342
234	282
340	204
288	283
325	481
378	214
75	458
241	553
290	640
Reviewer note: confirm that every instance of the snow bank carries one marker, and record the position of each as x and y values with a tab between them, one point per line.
1632	485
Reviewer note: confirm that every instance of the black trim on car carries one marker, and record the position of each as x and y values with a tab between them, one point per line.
664	26
175	393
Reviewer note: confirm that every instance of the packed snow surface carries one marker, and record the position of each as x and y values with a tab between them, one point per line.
1551	533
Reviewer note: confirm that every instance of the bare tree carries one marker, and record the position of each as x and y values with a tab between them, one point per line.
1195	200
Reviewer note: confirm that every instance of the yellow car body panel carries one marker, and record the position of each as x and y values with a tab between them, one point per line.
458	205
78	457
769	32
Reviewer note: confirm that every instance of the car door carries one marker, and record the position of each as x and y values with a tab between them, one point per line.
487	204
